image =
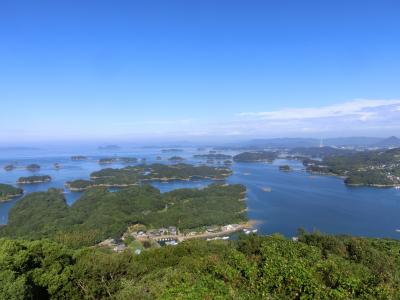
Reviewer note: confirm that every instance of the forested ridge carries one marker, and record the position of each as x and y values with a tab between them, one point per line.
253	267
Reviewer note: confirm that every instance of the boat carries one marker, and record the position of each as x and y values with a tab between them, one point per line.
397	187
254	230
267	189
397	230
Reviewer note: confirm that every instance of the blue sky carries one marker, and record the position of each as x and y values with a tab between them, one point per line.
120	70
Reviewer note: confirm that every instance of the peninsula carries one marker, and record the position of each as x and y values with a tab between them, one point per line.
8	192
379	168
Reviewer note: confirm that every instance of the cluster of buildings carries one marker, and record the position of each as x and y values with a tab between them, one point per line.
155	233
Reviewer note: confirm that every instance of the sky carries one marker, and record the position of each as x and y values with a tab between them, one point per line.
136	70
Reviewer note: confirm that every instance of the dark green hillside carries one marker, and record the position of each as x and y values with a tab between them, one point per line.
108	214
254	267
376	168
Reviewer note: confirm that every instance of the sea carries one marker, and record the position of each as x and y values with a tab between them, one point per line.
279	202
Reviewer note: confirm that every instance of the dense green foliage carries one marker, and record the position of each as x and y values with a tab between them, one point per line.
34	179
362	168
257	156
134	175
8	191
100	214
254	267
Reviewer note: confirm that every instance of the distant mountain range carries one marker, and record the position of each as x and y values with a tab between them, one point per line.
312	142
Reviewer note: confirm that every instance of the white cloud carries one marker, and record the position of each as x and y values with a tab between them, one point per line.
361	108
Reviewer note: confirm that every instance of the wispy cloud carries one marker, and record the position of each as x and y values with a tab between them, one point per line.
360	116
363	109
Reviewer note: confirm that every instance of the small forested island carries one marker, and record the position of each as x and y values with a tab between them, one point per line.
176	159
171	150
256	156
78	157
34	179
227	162
8	192
285	168
134	175
33	167
9	167
379	168
216	156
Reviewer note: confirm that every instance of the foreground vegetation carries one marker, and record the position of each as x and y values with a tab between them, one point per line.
254	267
100	214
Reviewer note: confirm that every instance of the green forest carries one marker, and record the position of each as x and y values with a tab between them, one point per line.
253	267
375	168
100	214
133	175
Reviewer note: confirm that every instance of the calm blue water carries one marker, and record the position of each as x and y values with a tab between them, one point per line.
296	199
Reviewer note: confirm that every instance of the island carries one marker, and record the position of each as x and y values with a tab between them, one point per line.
227	162
108	160
33	167
9	167
256	156
135	175
216	156
128	160
285	168
8	192
379	168
78	157
34	179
